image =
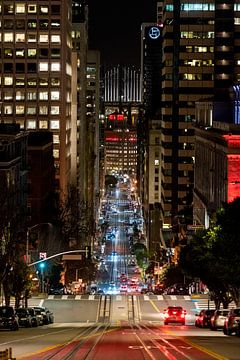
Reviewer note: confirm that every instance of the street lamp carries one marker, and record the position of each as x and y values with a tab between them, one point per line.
28	235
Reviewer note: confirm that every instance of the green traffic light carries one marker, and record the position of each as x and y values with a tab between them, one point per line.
42	265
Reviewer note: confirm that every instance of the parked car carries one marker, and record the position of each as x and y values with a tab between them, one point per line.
218	318
24	317
35	318
39	316
8	318
231	323
48	317
203	319
174	314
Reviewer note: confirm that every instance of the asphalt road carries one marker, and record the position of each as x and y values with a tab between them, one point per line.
125	341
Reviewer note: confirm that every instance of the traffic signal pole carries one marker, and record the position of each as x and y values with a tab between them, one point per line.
87	252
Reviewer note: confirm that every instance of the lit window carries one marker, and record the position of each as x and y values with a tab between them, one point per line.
31	38
20	109
54	124
156	162
56	153
20	81
8	80
32	95
32	82
55	110
20	95
43	82
55	95
8	109
55	66
20	53
43	66
43	124
43	9
55	39
8	53
32	24
20	37
55	81
43	110
20	8
31	110
32	9
43	95
31	124
56	139
32	52
8	9
43	38
8	37
8	96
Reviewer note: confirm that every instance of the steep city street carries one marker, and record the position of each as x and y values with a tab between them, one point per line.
120	322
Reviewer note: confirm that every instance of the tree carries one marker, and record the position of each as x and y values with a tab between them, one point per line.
214	255
171	274
74	220
19	281
225	237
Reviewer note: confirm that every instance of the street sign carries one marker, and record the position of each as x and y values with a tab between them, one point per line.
42	255
195	227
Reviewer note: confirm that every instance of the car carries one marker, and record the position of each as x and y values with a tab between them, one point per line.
8	318
231	323
39	316
123	288
218	319
174	314
59	289
203	319
34	317
48	317
24	317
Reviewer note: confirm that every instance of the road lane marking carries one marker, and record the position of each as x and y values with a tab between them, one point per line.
154	306
203	349
199	347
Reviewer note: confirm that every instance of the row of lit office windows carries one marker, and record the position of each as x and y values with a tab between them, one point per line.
32	124
190	62
9	109
197	34
41	95
31	53
23	8
30	24
29	82
22	37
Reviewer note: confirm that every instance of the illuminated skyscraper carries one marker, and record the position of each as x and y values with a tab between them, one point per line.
36	71
200	59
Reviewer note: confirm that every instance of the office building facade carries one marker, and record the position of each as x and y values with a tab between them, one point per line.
36	73
200	59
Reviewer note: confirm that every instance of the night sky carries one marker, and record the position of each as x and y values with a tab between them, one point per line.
115	28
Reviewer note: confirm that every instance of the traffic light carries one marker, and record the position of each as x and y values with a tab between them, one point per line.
42	265
88	252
